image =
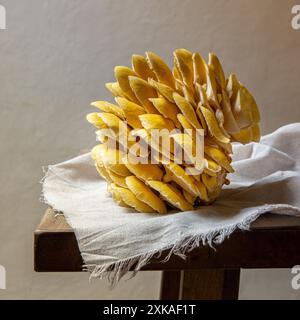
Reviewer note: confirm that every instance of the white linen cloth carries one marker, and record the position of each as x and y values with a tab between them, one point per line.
112	239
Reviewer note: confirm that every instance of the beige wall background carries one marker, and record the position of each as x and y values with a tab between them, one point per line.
55	57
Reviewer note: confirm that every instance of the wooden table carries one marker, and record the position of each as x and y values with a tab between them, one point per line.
273	242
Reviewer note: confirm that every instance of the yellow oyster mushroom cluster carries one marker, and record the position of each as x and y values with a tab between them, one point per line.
194	94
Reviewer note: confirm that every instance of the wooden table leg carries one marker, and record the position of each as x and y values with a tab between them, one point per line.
210	284
170	285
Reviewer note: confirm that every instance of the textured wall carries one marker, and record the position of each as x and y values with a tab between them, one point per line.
55	57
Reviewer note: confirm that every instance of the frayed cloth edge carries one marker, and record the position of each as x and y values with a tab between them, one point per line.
114	271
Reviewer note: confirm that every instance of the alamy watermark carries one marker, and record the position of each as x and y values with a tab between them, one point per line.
2	17
296	278
2	278
155	146
295	22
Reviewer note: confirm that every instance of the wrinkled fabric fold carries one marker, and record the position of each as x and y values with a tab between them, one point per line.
112	239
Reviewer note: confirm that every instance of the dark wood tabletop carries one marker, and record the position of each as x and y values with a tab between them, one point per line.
272	242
